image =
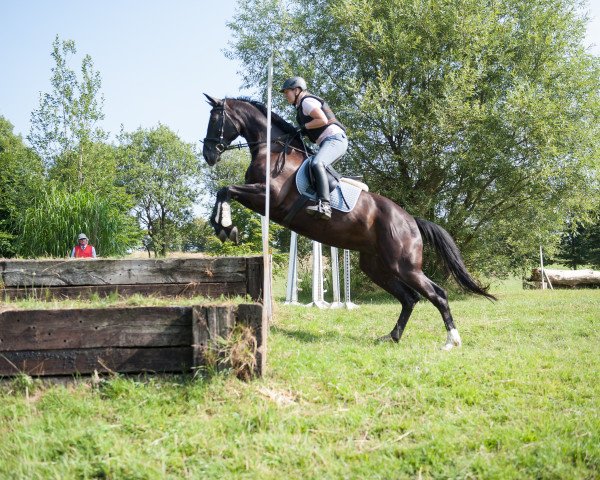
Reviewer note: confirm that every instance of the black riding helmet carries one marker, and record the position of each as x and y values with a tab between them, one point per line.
293	82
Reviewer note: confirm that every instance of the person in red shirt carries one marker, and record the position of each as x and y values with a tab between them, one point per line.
83	249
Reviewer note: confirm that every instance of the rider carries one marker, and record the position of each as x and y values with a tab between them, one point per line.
319	124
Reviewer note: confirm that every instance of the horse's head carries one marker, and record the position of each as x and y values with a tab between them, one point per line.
221	131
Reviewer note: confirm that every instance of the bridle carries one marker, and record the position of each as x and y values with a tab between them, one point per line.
220	146
219	142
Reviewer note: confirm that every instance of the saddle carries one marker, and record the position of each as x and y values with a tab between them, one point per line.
344	191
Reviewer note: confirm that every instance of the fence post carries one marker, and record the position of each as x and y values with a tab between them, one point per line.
317	278
347	300
335	279
291	295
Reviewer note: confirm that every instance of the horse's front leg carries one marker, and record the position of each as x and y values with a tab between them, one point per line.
251	196
220	218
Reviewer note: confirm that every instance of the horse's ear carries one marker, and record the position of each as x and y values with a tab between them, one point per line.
213	101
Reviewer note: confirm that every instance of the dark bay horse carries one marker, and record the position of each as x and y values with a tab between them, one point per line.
389	240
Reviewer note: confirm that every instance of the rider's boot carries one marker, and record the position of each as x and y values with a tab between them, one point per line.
322	209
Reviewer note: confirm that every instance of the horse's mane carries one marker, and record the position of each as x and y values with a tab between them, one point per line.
276	119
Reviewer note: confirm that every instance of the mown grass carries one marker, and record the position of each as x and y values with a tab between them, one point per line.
519	400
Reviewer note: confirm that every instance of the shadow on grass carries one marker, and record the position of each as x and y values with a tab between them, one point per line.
310	337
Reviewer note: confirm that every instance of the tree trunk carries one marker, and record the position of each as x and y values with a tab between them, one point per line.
567	278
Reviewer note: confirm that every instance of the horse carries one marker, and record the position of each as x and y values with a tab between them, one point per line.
389	240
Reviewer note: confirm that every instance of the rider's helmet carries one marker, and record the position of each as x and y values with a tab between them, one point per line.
293	82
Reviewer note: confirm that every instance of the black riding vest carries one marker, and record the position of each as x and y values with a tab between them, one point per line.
315	133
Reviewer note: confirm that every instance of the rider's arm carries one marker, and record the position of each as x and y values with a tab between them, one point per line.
312	108
319	119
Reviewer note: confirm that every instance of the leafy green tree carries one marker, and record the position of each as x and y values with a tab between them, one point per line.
480	116
51	224
580	245
65	128
21	181
195	235
160	172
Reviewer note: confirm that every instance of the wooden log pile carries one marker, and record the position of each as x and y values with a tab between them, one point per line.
125	340
80	278
563	278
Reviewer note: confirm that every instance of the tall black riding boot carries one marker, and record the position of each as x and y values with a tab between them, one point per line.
322	209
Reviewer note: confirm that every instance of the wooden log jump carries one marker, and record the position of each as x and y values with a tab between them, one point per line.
173	277
564	278
125	340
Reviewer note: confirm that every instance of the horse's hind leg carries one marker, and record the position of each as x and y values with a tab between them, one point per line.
417	280
387	280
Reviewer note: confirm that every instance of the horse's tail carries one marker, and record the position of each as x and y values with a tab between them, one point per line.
444	245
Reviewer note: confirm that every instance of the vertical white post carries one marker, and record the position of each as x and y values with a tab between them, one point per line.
347	300
317	278
291	295
542	269
267	298
335	279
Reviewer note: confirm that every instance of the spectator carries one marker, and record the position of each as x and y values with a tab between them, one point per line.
83	249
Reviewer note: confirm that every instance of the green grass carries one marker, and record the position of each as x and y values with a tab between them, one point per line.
115	300
520	399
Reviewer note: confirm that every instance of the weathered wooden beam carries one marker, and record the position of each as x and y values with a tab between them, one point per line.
129	339
254	316
55	273
209	325
95	328
254	278
85	361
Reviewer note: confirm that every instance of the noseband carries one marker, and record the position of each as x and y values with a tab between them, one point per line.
219	142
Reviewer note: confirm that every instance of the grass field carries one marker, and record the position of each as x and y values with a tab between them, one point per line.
520	399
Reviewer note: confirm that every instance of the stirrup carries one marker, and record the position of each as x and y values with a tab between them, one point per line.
321	210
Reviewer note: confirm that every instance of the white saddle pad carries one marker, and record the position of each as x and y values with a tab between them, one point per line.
343	198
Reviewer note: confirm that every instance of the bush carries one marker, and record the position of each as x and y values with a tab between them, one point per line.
50	227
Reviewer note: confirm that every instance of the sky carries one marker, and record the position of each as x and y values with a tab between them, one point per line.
155	58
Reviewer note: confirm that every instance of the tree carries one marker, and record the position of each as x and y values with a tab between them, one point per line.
159	171
480	116
580	245
65	127
21	181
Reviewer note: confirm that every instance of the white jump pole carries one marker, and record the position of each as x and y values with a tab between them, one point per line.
291	294
317	278
267	297
347	302
335	279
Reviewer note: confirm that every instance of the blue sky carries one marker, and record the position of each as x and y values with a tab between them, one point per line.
155	57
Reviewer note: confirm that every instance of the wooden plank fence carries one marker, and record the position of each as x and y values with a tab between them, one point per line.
80	278
126	340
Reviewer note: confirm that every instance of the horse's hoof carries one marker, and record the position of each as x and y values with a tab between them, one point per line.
453	340
234	235
386	339
222	235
